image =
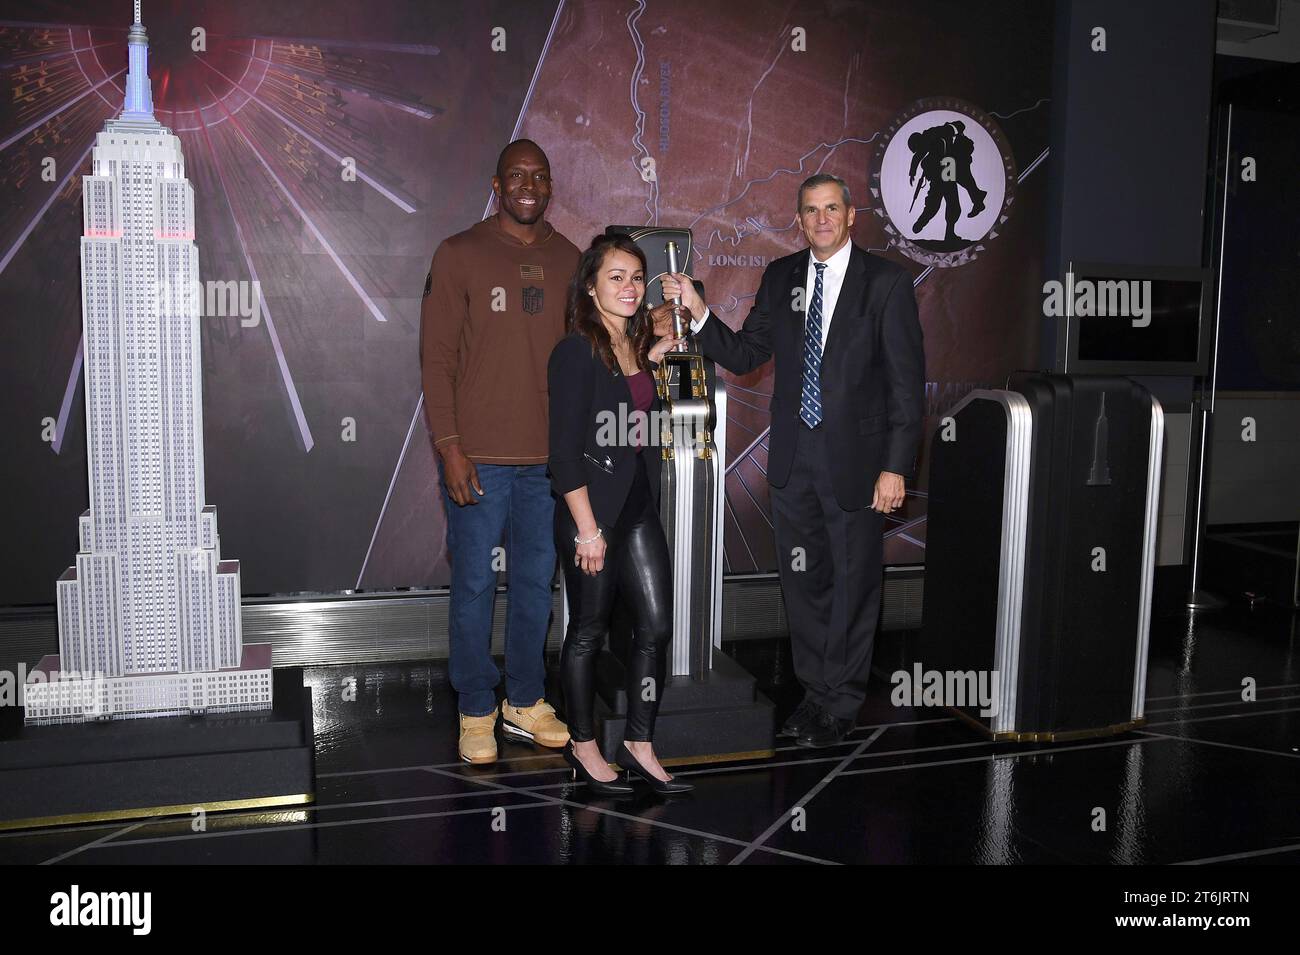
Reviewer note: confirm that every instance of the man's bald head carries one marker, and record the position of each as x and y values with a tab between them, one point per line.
523	182
523	146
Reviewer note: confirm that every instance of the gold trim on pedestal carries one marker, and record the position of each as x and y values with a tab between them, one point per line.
113	815
718	758
1046	736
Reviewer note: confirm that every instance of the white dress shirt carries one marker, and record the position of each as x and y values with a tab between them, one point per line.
832	281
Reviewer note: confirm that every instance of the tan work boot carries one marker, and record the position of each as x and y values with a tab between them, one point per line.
537	723
478	741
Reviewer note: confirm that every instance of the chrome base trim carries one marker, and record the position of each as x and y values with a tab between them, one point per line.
412	625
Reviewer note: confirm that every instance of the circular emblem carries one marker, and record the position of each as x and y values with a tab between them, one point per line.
943	179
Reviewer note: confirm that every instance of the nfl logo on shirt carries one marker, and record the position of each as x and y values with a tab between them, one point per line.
532	300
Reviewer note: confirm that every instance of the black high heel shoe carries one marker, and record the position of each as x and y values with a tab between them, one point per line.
611	788
672	787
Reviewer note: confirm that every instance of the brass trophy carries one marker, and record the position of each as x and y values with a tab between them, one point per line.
680	325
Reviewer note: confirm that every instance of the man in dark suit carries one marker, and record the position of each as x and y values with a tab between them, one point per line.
846	416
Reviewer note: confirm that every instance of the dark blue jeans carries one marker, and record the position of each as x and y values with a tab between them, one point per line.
515	511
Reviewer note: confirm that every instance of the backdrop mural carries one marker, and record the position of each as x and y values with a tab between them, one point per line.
332	145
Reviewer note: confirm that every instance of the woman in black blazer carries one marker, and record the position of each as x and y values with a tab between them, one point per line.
604	465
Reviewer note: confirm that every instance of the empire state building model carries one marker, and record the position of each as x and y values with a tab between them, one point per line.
149	617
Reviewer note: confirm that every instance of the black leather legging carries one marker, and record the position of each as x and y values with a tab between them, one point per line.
637	570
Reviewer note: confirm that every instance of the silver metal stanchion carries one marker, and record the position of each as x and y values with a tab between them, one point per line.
1198	599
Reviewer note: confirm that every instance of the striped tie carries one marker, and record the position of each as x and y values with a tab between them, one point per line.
810	401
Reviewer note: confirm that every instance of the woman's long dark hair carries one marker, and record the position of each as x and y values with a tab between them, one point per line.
581	315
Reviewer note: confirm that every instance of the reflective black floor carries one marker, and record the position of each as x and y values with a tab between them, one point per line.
1211	779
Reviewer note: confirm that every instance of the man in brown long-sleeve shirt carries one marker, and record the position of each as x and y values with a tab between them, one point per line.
493	310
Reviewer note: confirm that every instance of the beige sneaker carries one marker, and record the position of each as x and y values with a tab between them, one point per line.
478	741
537	723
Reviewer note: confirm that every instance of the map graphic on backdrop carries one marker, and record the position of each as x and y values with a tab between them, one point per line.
688	114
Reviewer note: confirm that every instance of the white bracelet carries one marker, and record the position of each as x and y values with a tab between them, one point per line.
600	532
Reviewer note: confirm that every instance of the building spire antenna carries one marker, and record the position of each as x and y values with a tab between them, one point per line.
139	95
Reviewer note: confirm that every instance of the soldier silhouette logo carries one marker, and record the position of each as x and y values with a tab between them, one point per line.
943	181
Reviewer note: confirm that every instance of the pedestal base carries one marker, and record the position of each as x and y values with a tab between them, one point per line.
1204	600
720	718
170	765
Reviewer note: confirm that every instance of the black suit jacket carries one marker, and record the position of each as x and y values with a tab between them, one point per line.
872	370
583	392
